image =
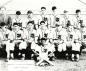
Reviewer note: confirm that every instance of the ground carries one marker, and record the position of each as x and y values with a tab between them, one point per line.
59	65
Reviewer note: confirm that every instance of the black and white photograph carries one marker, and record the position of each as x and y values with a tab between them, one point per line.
42	35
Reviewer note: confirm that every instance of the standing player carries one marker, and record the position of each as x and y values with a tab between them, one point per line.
65	20
5	18
44	17
77	20
17	19
54	17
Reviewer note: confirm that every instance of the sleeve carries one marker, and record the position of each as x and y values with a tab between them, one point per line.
9	20
24	23
51	48
11	36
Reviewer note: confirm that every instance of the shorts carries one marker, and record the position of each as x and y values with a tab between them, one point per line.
69	49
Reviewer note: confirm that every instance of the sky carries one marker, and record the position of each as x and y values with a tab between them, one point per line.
35	5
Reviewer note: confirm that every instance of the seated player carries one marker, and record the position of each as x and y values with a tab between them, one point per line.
6	38
35	49
69	43
76	50
42	31
22	48
18	34
18	31
78	19
29	30
61	46
60	35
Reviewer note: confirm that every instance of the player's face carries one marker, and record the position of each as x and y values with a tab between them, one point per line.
17	16
79	14
55	11
30	26
43	11
43	26
16	27
30	15
31	39
66	15
4	28
43	42
2	11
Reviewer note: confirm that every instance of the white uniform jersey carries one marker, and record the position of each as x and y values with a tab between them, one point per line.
62	33
76	46
4	35
17	20
18	34
35	47
65	20
22	45
70	38
9	46
28	33
77	21
52	33
77	34
43	33
50	47
11	36
53	20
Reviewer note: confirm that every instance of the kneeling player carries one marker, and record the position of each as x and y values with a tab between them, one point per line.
44	52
